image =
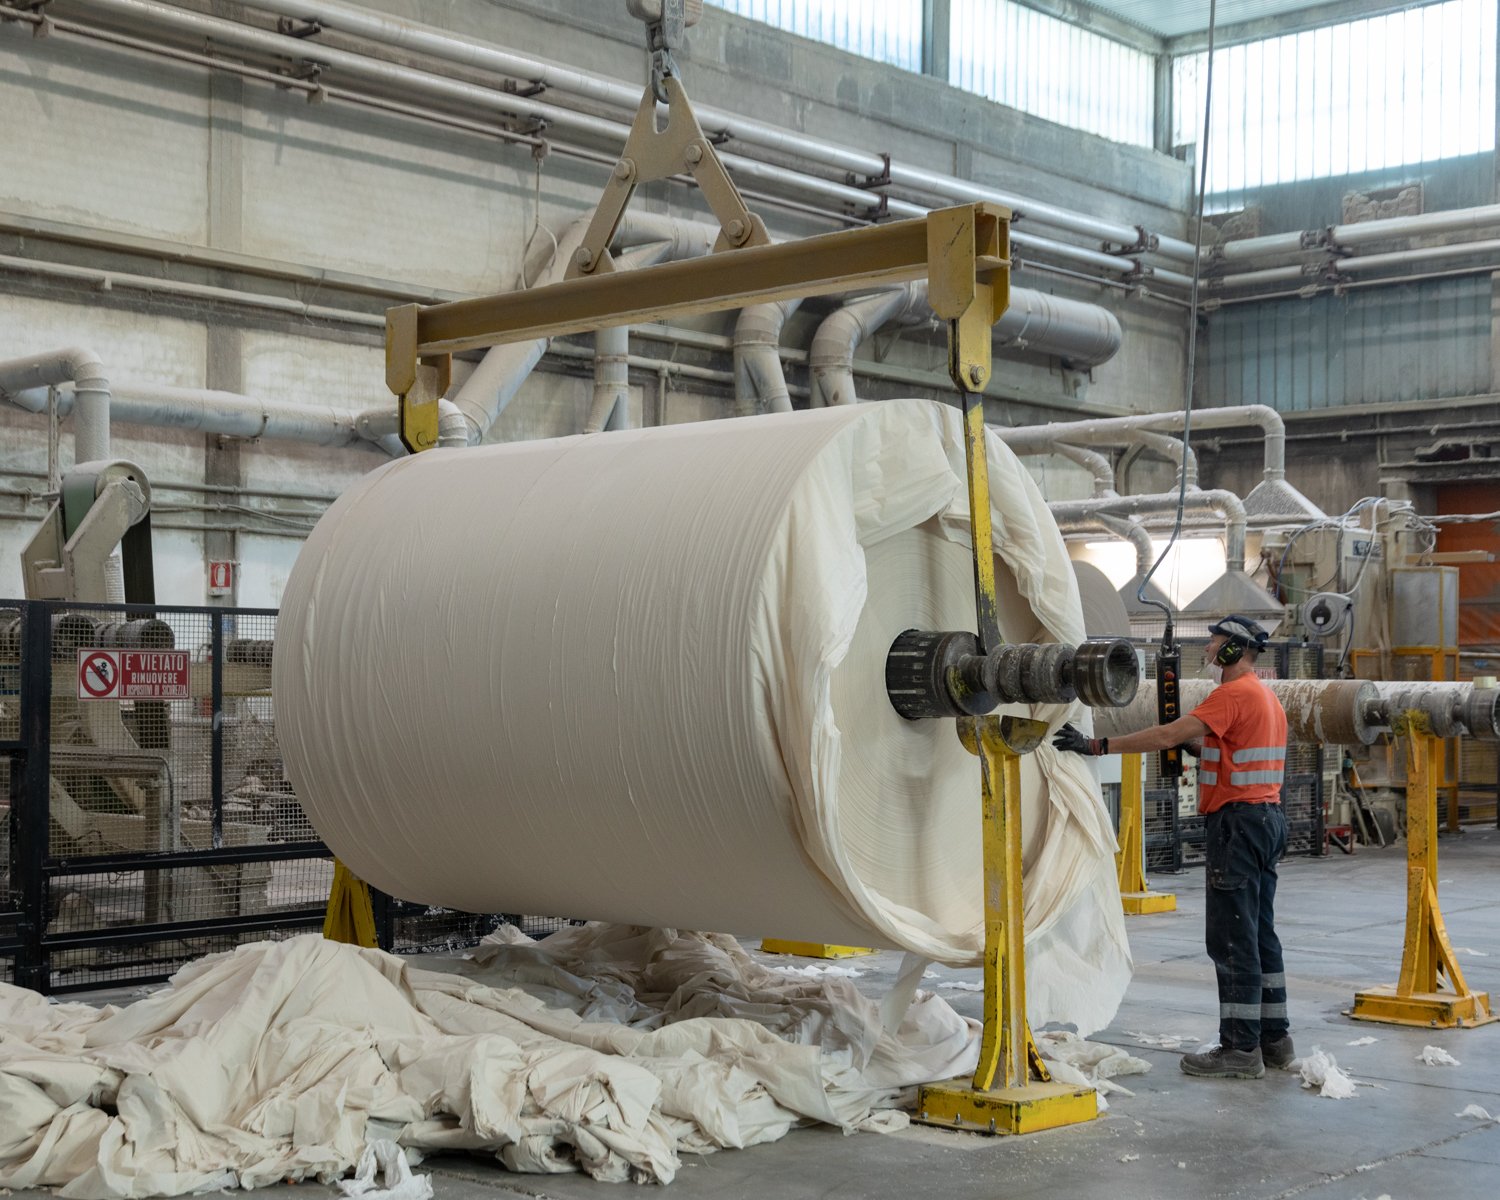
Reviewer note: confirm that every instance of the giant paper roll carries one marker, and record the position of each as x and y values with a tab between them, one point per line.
639	677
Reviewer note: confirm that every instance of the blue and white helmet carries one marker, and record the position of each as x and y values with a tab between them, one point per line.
1241	631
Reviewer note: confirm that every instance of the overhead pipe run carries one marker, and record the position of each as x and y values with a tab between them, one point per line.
1039	438
1220	503
1359	233
759	380
494	382
1139	594
228	414
425	39
91	398
1035	322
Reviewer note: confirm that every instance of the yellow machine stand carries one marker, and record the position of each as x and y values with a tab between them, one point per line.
1011	1091
812	949
1135	892
351	916
1418	997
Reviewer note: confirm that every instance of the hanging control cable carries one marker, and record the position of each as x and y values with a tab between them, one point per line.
1169	657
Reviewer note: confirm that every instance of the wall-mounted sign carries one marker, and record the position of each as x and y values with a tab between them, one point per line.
134	675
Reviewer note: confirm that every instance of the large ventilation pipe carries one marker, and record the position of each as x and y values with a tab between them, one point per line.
1132	531
759	380
843	330
499	375
1080	334
228	414
1217	502
1029	439
1273	496
91	400
611	404
1097	465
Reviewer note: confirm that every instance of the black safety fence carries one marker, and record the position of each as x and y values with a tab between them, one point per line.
1172	828
150	820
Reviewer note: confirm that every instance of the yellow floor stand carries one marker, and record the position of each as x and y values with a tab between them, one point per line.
1135	892
1431	991
812	949
351	916
1011	1091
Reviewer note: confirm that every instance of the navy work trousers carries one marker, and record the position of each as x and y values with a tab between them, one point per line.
1244	843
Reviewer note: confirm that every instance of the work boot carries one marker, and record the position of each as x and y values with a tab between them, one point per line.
1224	1063
1278	1053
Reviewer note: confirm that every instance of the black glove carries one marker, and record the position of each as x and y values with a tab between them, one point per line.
1071	740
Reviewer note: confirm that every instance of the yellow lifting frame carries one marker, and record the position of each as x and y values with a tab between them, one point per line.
1136	895
1419	996
963	252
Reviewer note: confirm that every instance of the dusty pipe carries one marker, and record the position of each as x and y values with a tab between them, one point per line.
1263	417
488	391
1360	233
1096	464
231	415
90	400
1124	528
471	52
831	355
759	380
1403	258
611	406
1080	334
1225	505
1038	438
1341	712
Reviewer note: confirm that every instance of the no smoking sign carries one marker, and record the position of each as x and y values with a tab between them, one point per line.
134	675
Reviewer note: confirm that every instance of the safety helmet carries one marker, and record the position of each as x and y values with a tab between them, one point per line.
1240	634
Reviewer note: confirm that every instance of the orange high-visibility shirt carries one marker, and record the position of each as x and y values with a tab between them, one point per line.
1244	750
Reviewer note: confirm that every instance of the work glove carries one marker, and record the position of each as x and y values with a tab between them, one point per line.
1071	740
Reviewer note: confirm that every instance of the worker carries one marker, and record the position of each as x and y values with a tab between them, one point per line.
1239	734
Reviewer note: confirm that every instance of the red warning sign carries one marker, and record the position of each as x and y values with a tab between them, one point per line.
134	675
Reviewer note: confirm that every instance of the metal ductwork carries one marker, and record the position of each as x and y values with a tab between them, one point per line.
91	397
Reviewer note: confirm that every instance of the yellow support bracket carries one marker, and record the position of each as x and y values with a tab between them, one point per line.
1011	1091
812	949
1136	895
1431	990
351	916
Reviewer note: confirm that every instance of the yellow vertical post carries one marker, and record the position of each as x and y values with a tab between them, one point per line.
351	916
1431	990
1136	895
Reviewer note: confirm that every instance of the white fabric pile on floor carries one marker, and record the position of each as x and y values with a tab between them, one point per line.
604	1049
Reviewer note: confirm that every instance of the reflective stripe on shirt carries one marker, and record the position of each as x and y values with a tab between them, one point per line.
1242	778
1258	754
1209	754
1208	777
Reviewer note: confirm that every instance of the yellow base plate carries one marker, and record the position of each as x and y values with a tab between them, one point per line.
1138	903
812	949
1431	1010
955	1104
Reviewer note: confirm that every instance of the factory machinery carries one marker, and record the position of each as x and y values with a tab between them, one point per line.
113	785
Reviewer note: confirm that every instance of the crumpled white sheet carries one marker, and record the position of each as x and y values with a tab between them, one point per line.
604	1049
1072	1059
1436	1056
1321	1072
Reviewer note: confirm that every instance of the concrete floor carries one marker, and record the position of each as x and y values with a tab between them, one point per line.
1341	922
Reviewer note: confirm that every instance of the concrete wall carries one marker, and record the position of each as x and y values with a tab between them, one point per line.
119	160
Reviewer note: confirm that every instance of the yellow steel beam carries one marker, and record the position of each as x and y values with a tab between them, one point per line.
832	262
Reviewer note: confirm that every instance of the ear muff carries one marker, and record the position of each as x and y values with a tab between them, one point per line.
1229	653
